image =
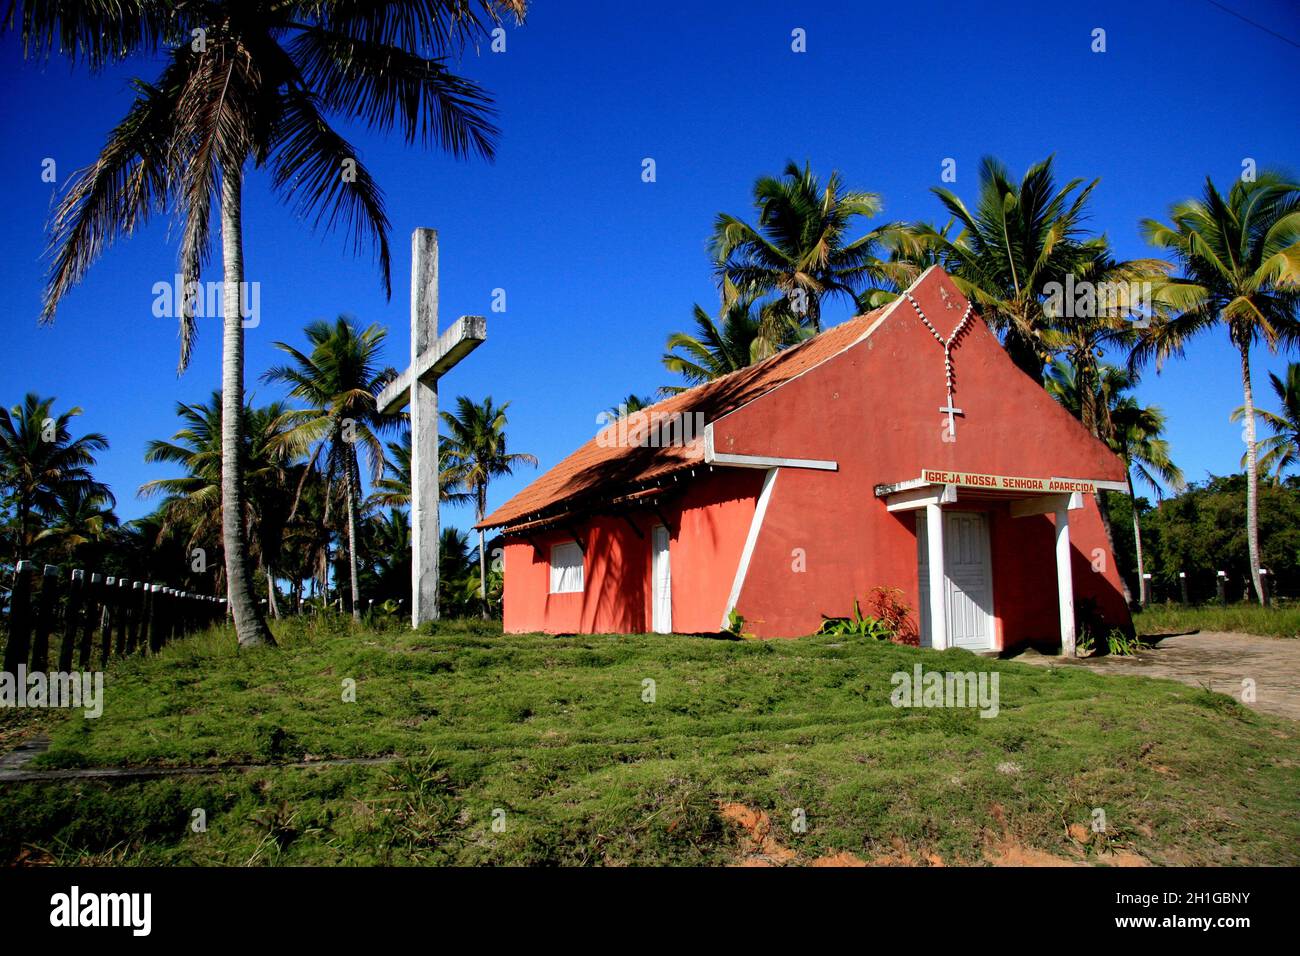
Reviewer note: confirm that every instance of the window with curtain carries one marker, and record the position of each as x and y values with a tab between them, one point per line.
566	568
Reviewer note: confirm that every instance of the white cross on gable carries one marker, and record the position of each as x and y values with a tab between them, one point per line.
432	356
952	426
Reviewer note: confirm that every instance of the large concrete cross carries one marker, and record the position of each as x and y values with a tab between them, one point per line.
432	355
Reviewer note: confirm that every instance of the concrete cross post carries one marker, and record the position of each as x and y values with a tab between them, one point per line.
432	356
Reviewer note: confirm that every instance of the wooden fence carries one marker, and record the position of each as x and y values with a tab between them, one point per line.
96	619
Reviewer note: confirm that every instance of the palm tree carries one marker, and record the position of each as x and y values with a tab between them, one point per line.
1281	450
80	523
1137	431
1240	258
800	248
393	489
388	545
456	583
254	80
339	381
738	338
193	502
628	404
150	549
41	464
307	535
1019	239
1082	336
1132	432
476	449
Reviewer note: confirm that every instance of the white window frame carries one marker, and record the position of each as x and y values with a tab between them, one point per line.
573	558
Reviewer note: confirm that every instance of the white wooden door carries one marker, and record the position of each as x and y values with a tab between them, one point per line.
662	582
968	579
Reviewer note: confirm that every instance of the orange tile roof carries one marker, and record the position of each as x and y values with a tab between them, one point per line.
596	472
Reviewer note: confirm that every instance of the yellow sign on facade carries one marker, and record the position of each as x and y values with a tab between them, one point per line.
966	479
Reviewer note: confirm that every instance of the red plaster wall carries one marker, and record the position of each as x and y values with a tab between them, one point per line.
707	527
874	409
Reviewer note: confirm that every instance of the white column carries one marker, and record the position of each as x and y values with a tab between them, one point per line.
424	430
938	591
1065	581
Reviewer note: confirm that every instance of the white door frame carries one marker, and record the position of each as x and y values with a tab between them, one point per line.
661	581
937	583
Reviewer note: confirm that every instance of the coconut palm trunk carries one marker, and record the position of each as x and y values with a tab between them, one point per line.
350	488
1252	477
250	629
270	592
1137	538
481	508
1103	511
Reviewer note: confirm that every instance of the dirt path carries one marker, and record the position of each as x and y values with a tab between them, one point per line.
1221	661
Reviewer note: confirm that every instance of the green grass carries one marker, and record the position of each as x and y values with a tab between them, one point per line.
1242	618
551	736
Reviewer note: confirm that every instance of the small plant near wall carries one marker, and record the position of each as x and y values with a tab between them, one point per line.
736	626
889	619
1122	645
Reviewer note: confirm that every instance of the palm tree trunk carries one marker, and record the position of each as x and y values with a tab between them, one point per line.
1087	396
250	629
1137	539
1103	509
1252	478
350	465
480	513
270	592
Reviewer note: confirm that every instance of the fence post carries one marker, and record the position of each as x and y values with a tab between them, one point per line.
71	619
1182	586
132	598
156	622
169	602
107	616
146	617
1265	595
1146	588
1221	587
123	615
94	601
45	614
20	618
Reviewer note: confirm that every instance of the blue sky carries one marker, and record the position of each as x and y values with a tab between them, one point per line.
598	266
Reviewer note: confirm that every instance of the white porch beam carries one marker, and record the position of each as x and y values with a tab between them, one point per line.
1065	581
1046	504
938	602
714	457
916	498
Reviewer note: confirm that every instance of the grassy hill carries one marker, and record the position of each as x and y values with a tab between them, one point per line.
533	749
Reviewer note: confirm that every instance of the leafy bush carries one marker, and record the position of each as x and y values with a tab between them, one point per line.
890	620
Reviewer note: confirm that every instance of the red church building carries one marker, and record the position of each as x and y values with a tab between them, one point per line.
899	449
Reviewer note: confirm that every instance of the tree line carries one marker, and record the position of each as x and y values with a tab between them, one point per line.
303	512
